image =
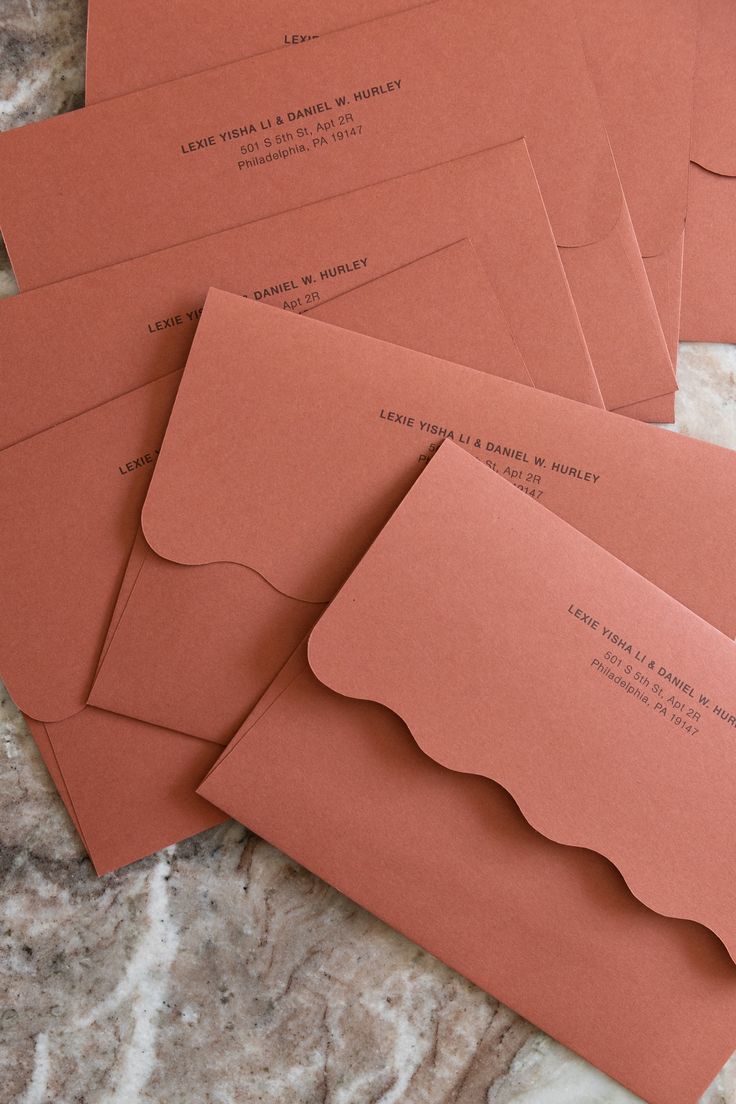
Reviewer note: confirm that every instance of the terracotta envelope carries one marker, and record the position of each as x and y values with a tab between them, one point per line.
73	496
118	328
458	318
709	289
393	802
641	58
409	307
284	504
73	508
129	788
124	42
173	162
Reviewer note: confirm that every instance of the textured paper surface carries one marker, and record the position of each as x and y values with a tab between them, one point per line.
641	58
123	326
445	855
123	55
709	289
307	452
74	493
356	112
449	860
516	649
564	444
128	787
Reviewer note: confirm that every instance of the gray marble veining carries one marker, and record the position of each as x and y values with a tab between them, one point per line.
219	972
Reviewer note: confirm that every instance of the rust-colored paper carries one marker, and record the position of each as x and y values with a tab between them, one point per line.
357	111
124	40
442	304
128	787
73	495
285	502
589	694
709	288
116	329
642	58
448	859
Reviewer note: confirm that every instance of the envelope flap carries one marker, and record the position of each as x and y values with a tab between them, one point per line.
642	57
71	499
517	649
291	440
714	93
297	519
478	74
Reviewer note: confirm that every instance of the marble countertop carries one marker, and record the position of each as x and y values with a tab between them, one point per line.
219	971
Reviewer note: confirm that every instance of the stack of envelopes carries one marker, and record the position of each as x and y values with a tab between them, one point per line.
281	570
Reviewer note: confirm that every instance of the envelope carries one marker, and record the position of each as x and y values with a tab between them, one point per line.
284	504
389	798
178	155
409	307
710	241
72	507
460	317
121	327
129	788
73	496
637	695
642	58
124	42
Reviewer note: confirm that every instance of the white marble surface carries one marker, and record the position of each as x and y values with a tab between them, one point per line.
219	972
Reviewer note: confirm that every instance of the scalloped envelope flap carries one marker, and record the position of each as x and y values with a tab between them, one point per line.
291	440
516	649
